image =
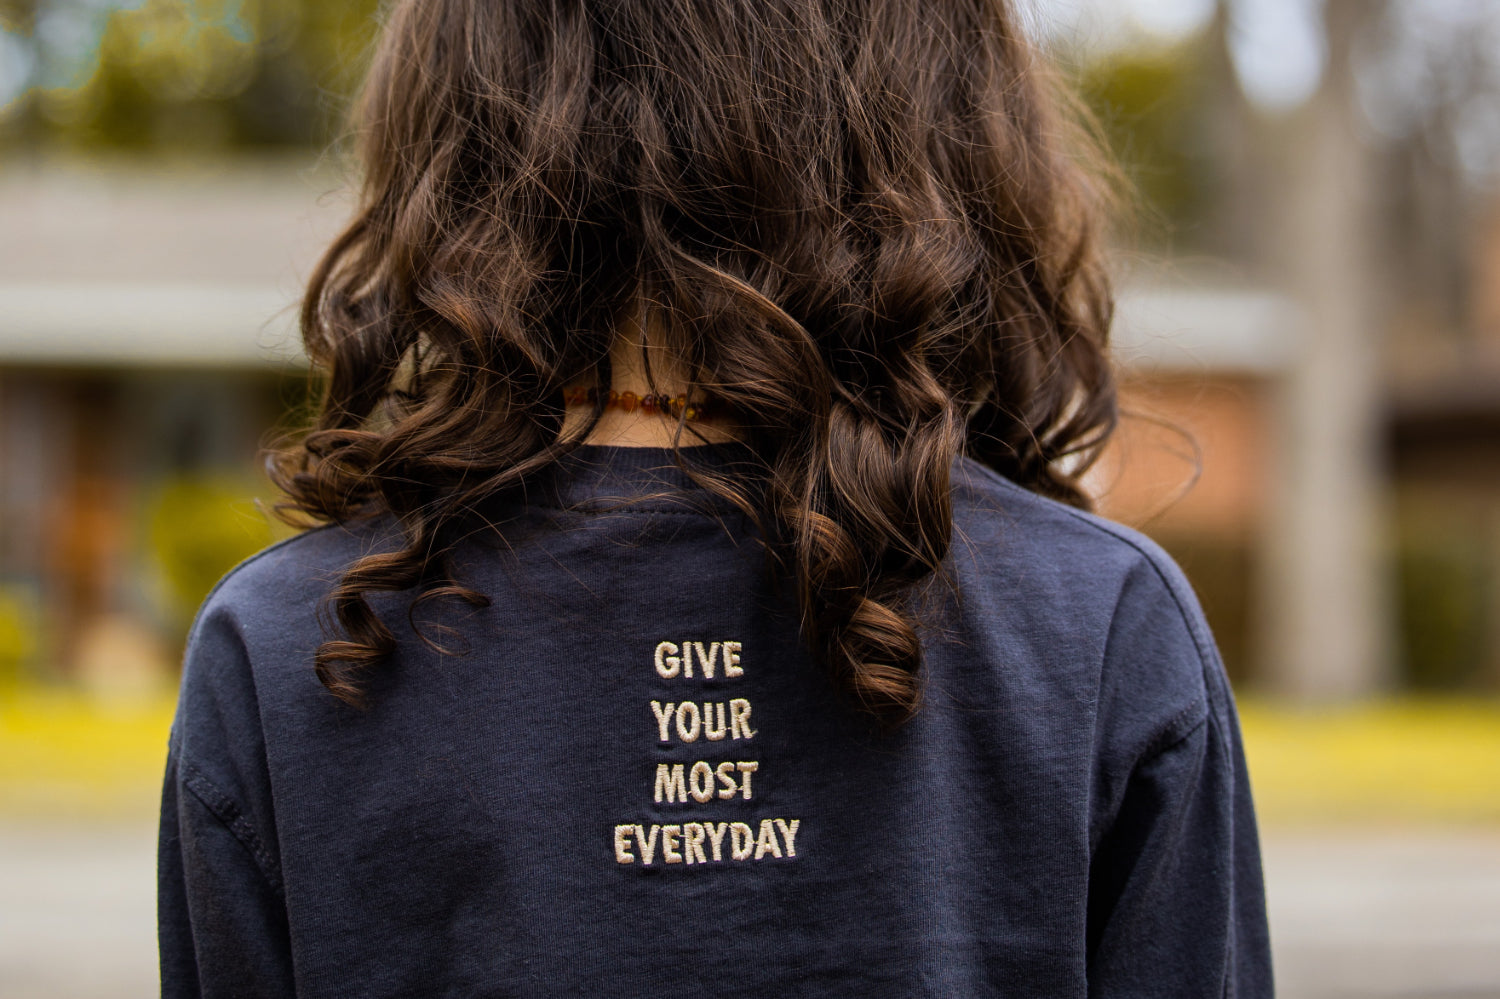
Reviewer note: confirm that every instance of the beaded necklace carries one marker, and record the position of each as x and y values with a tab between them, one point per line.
675	407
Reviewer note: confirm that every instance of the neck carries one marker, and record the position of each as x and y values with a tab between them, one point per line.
635	344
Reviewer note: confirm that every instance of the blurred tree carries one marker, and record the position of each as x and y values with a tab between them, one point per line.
1149	102
1430	87
20	632
18	15
1442	591
1177	119
185	74
198	528
1326	634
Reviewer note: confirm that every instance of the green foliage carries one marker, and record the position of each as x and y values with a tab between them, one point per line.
197	530
1151	104
18	16
20	632
1443	586
1222	571
200	74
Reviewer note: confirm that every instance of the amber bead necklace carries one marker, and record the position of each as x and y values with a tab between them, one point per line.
673	407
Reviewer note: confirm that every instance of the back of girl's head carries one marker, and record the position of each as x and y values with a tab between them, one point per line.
865	225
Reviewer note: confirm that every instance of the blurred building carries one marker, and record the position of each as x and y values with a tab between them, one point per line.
1196	450
1442	415
147	351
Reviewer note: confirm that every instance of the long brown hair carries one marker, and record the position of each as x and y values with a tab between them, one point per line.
865	225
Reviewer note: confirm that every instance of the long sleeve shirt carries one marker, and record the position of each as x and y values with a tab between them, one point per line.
627	777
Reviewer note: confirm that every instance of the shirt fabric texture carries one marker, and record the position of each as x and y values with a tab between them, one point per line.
540	813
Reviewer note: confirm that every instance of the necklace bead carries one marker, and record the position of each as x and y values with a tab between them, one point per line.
674	407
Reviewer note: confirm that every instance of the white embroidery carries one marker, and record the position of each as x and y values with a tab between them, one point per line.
687	732
741	840
739	719
707	661
683	843
669	852
747	769
667	665
669	783
692	843
789	833
701	782
673	660
622	845
725	773
716	837
711	732
766	841
714	720
647	844
663	718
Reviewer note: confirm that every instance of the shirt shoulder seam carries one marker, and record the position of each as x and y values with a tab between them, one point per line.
1176	731
232	817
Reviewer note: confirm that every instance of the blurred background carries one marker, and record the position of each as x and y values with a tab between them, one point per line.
1308	333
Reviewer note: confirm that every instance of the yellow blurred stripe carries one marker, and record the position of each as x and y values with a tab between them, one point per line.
1408	760
66	754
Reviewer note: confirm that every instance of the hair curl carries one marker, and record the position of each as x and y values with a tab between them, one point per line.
864	224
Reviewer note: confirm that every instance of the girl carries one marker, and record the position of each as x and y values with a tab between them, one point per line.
705	601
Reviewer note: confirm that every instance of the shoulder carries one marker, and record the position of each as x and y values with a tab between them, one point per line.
1051	543
287	574
1108	589
272	600
255	634
1089	548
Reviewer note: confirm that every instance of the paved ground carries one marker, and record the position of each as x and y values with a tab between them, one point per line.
77	912
1385	915
1353	915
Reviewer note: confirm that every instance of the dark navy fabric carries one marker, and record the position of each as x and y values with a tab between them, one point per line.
1067	815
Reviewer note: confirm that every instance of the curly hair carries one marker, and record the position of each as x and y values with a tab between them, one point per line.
870	227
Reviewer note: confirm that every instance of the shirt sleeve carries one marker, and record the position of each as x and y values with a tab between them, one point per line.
221	919
221	912
1176	897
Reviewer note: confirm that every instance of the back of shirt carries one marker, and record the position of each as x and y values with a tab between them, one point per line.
628	776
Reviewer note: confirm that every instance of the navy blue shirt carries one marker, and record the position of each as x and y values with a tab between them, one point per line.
631	780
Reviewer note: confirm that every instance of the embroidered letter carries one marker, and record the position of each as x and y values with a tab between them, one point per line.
670	786
716	837
764	843
687	732
663	717
701	782
710	732
692	843
745	768
622	845
646	843
732	659
669	852
789	833
725	773
707	661
741	840
739	718
667	665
